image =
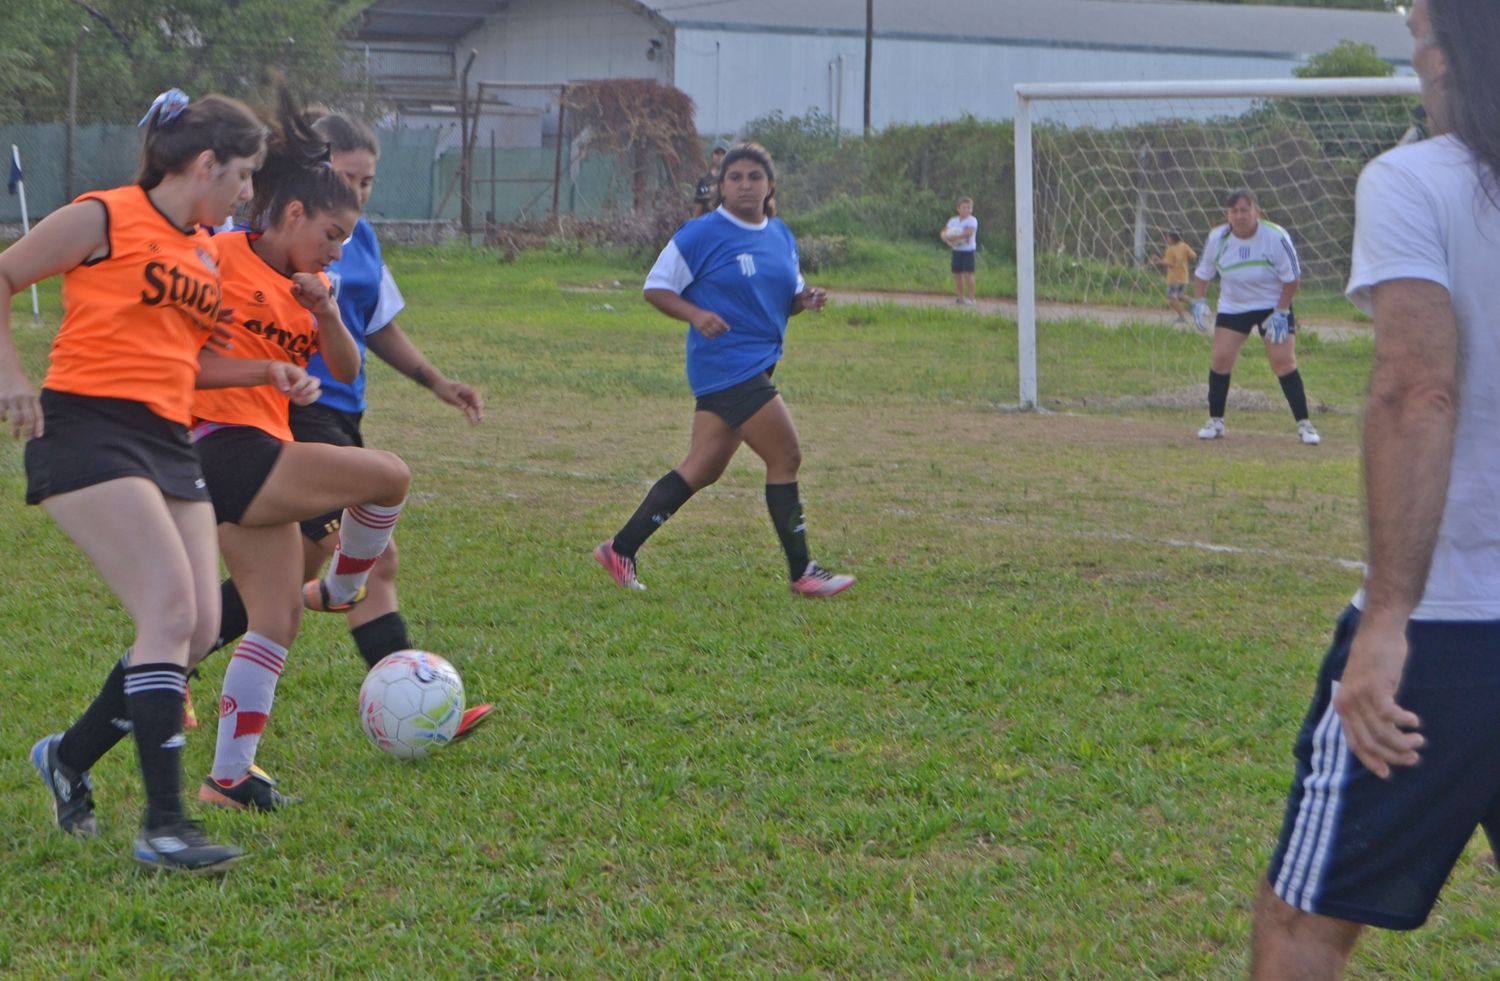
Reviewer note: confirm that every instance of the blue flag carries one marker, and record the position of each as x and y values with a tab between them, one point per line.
15	175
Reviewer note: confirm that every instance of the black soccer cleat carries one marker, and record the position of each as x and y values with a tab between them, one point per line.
183	847
72	793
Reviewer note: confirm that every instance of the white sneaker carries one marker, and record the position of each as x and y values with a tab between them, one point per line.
1306	433
1214	429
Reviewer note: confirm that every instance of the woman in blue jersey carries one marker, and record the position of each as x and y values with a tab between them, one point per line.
733	276
368	302
1258	273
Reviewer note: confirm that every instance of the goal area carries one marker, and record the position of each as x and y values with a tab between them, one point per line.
1105	170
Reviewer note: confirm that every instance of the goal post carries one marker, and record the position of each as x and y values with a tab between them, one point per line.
1102	169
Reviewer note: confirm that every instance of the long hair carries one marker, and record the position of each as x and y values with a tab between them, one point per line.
297	169
344	134
1468	33
748	151
217	123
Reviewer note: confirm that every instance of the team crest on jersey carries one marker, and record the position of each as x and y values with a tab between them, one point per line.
1244	252
260	297
747	264
208	260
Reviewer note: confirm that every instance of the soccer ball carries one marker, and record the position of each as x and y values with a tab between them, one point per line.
411	703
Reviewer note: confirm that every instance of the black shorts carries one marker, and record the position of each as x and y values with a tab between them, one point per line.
737	403
320	424
88	440
1241	323
1376	851
963	261
236	462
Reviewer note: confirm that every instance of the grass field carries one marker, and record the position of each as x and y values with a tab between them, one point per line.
1047	735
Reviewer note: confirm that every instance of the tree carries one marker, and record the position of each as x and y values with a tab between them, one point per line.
1347	59
134	49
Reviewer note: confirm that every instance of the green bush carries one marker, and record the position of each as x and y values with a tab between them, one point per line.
822	252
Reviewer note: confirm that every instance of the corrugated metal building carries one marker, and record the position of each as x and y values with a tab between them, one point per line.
933	59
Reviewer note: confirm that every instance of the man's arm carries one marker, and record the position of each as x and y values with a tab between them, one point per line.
1410	420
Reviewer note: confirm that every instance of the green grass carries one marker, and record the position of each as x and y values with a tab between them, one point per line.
1041	737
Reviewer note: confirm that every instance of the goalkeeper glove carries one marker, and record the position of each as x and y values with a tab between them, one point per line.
1199	310
1279	326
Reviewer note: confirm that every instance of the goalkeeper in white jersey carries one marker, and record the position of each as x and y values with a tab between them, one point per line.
1258	273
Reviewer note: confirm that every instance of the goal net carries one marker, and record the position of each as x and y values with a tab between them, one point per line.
1104	171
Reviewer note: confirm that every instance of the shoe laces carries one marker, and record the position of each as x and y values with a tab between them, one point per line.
186	830
815	571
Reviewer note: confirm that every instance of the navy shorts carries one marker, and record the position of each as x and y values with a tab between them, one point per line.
88	440
737	403
1241	323
1376	851
1177	291
963	261
236	462
319	424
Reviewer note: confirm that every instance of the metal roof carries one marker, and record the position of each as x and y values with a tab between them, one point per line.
1133	24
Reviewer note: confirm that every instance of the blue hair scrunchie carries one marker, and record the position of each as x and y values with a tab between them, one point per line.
167	107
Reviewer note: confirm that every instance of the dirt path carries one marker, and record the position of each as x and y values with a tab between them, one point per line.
1114	316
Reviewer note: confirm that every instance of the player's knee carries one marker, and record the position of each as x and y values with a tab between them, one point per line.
392	479
279	625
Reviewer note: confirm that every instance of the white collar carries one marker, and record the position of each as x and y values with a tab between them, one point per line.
741	223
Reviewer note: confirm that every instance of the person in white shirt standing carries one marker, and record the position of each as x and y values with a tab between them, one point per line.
1397	761
962	236
1258	274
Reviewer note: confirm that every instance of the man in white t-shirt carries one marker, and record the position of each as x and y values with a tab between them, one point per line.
1398	761
962	236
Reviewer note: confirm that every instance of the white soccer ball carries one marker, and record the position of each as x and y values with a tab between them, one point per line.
411	703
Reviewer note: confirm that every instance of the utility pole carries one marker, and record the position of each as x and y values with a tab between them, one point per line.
869	51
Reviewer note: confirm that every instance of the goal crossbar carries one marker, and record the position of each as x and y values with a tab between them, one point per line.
1029	92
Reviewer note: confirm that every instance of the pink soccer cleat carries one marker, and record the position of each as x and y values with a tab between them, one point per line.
816	581
620	567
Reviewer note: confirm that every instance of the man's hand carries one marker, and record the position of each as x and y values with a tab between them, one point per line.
1380	732
1201	315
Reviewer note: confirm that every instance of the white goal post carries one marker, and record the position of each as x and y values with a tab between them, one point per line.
1197	105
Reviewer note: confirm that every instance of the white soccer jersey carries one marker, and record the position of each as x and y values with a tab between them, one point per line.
969	224
1251	270
1421	213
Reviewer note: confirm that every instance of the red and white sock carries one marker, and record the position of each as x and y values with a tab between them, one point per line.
364	533
249	689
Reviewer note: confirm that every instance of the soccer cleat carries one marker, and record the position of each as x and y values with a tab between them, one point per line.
816	581
183	847
72	793
315	597
1213	429
255	791
1307	433
620	567
473	718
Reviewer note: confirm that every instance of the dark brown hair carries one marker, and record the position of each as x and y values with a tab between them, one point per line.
1238	195
224	126
344	134
757	153
1467	32
297	169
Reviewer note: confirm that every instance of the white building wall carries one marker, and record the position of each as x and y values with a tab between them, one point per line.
736	76
565	40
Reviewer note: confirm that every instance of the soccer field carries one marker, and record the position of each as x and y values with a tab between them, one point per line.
1048	733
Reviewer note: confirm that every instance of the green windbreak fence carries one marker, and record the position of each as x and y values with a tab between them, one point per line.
416	181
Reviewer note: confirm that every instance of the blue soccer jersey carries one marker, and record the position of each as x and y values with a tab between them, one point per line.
368	300
749	276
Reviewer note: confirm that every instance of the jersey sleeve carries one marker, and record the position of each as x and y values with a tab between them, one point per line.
1396	233
388	304
1284	258
670	272
1207	270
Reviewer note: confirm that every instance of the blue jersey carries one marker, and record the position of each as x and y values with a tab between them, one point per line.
749	276
368	300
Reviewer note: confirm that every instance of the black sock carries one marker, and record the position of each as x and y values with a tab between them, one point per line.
153	693
381	636
233	620
1218	394
1296	395
103	724
786	514
661	502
